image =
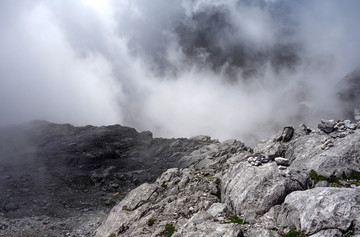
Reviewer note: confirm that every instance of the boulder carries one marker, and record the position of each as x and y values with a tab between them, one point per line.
306	153
256	232
253	190
327	126
282	161
318	209
328	233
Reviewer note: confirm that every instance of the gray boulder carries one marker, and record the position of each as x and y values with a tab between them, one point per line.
328	233
327	126
306	153
254	190
319	209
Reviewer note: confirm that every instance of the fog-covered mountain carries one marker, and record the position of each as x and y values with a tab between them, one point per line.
177	68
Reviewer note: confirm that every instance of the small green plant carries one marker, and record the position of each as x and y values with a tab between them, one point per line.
333	180
234	219
164	185
151	221
349	234
353	175
293	233
125	208
169	230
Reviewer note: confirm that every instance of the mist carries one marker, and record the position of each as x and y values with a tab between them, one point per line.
226	68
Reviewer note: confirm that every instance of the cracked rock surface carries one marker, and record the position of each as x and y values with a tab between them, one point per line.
301	188
58	180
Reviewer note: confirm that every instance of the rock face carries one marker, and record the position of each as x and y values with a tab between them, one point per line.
321	208
58	173
288	183
60	180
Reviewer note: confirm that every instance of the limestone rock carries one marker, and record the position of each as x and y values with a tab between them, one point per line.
256	232
282	161
306	153
328	233
254	190
321	208
213	153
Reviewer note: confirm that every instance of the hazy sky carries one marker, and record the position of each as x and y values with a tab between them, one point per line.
227	68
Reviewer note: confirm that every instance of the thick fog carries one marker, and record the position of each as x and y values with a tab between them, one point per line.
226	68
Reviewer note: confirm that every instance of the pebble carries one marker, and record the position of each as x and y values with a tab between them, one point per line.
282	161
257	160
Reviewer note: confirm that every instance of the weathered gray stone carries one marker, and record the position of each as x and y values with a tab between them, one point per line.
325	128
271	148
202	138
257	232
322	184
321	208
282	161
209	155
305	153
287	134
328	233
254	190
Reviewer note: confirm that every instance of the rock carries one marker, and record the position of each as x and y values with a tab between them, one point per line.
328	233
327	126
350	125
287	134
257	232
328	123
217	209
325	129
201	138
201	225
282	161
271	148
321	208
322	184
241	182
302	130
9	206
306	154
210	154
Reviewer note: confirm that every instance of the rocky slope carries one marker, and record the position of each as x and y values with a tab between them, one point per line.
57	179
300	182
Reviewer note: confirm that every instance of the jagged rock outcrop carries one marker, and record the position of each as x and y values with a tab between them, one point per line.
51	175
189	200
295	181
320	209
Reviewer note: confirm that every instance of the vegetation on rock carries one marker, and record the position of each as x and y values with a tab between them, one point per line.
293	233
234	219
151	221
169	230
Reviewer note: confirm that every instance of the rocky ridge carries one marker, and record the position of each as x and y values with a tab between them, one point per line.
61	180
300	182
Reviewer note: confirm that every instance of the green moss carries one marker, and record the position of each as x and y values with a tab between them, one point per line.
125	208
151	221
164	185
234	219
169	230
349	234
354	175
293	233
314	176
333	180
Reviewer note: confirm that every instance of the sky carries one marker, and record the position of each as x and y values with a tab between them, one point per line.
226	68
